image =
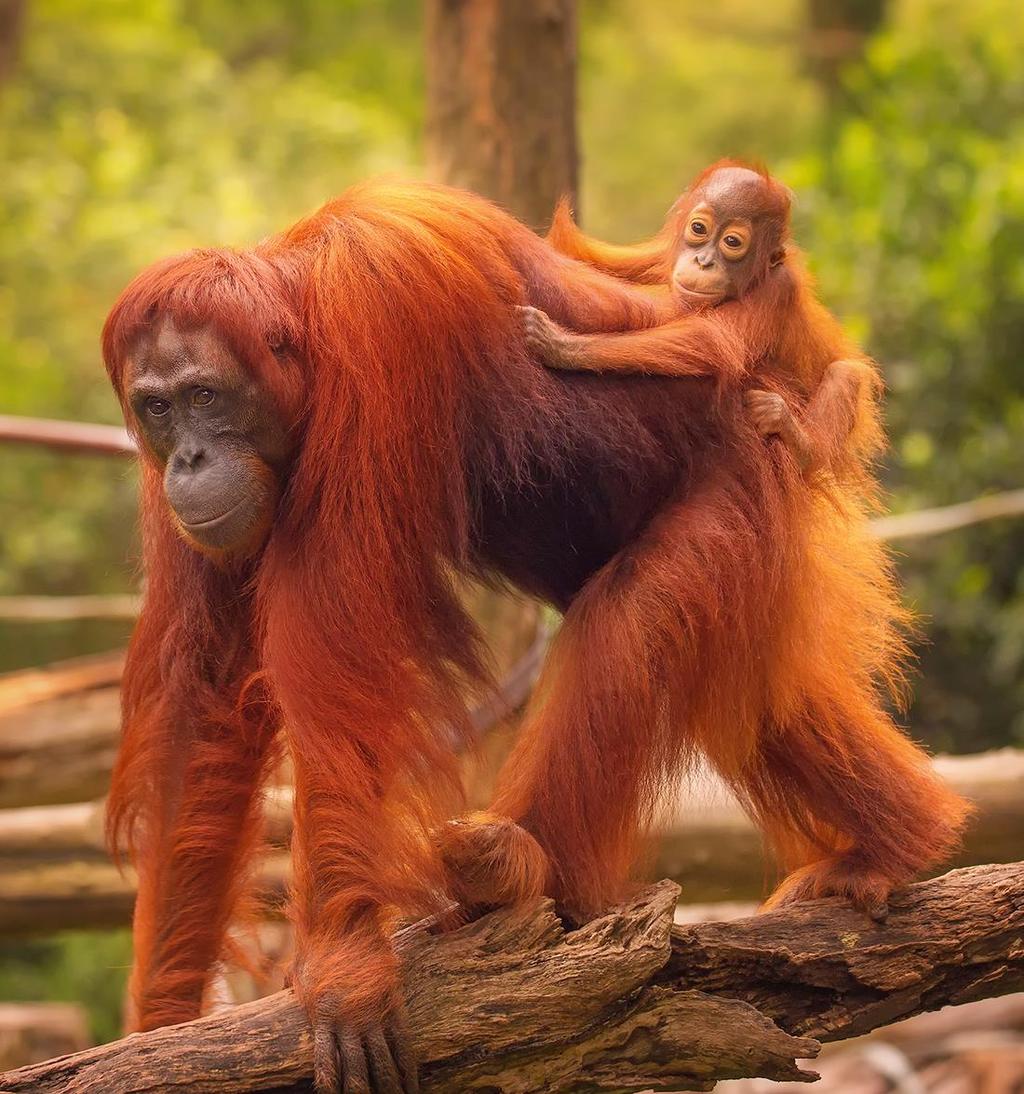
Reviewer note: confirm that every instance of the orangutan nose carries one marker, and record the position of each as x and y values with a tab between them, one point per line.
705	260
188	458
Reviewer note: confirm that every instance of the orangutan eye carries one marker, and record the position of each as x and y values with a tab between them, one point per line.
735	243
157	407
698	227
203	396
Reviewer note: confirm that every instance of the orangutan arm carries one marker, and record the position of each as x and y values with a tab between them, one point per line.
833	414
692	346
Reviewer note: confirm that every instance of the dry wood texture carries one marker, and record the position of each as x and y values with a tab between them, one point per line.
514	1003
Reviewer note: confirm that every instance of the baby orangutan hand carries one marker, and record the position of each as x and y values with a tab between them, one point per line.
550	343
772	417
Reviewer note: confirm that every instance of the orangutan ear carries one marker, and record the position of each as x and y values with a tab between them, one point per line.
280	345
777	257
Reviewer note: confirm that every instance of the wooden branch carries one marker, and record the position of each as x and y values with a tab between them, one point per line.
708	845
512	1002
41	897
947	518
59	726
822	970
103	440
47	609
60	750
22	689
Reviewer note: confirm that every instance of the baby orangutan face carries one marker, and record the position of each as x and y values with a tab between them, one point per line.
732	235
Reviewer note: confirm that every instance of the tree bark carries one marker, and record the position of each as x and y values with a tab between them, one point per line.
12	22
514	1003
501	100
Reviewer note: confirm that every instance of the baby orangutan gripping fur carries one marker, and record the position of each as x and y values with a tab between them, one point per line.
733	233
792	717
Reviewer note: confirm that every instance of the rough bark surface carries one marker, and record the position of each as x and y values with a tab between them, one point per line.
501	100
514	1003
825	971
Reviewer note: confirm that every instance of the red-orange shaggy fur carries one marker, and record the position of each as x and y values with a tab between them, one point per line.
713	602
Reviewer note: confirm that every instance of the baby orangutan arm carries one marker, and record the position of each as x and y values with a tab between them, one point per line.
821	440
692	346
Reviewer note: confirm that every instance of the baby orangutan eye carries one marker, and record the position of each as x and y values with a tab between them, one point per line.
203	396
735	244
157	407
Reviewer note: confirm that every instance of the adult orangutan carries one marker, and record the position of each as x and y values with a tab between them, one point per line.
334	426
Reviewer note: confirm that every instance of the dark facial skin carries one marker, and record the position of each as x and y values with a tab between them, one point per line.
727	240
216	434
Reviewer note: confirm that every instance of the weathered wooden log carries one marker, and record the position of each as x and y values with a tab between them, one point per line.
514	1003
60	725
34	1031
708	845
43	897
58	731
53	869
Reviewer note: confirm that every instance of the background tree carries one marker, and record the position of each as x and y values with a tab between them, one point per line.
501	100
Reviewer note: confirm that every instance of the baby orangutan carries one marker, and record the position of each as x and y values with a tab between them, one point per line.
727	236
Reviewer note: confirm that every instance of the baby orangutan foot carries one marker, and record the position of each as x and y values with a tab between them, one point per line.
490	862
865	888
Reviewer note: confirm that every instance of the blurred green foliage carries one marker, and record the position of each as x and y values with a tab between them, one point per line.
667	88
914	217
129	131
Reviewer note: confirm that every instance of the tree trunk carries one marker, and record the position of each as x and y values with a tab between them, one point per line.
501	100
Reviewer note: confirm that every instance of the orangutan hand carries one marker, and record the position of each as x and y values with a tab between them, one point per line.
771	417
548	342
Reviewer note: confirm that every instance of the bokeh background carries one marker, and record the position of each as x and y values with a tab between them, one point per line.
129	130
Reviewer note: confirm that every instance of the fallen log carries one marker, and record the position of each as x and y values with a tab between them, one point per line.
54	874
34	1031
514	1003
40	898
